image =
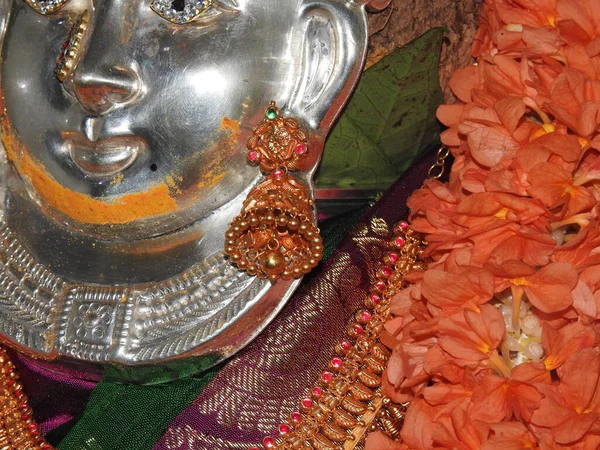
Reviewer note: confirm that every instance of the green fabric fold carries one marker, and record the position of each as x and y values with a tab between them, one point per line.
130	417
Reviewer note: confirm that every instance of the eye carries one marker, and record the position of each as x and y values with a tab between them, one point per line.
180	11
46	6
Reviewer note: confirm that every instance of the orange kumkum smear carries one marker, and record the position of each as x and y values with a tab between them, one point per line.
81	207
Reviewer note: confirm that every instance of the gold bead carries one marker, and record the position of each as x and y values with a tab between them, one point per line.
273	260
293	224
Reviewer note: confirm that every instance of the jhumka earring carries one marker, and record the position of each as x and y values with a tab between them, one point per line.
275	236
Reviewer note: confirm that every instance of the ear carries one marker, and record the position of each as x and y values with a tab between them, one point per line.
330	44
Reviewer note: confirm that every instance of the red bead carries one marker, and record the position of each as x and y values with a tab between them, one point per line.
23	406
307	402
48	447
26	416
296	417
268	442
393	257
278	173
399	242
32	427
317	391
380	285
345	345
336	363
365	316
326	376
358	329
301	149
10	382
284	429
404	226
386	271
253	156
375	298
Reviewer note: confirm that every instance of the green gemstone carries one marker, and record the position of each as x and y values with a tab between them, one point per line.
271	114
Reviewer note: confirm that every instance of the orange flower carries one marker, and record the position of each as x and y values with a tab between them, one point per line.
458	430
498	398
560	344
554	186
573	103
379	441
539	150
417	431
572	408
548	289
583	250
473	338
465	286
510	436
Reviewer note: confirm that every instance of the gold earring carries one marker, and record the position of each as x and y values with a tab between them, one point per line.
275	236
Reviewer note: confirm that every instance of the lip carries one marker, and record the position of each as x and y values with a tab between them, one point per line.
105	158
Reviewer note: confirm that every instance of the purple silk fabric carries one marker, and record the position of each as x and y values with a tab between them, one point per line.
55	398
263	384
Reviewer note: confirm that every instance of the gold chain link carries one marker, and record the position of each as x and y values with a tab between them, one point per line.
438	167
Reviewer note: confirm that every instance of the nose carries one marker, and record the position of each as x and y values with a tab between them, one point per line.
107	74
105	86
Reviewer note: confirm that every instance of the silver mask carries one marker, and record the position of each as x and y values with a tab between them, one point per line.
119	181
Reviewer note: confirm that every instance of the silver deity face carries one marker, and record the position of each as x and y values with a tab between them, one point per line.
148	124
123	175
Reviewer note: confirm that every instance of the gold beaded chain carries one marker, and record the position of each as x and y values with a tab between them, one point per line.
18	430
346	403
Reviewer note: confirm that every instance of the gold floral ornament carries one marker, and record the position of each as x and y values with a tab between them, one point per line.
275	235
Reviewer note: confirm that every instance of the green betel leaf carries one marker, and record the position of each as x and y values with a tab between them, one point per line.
389	121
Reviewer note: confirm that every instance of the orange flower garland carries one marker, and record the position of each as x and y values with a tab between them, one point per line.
496	342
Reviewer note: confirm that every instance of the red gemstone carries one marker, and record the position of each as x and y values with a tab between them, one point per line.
32	427
336	363
268	442
301	149
404	226
253	156
399	242
393	257
317	391
326	377
307	402
278	174
358	329
345	345
26	416
375	298
23	406
284	429
296	417
386	271
365	316
380	285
